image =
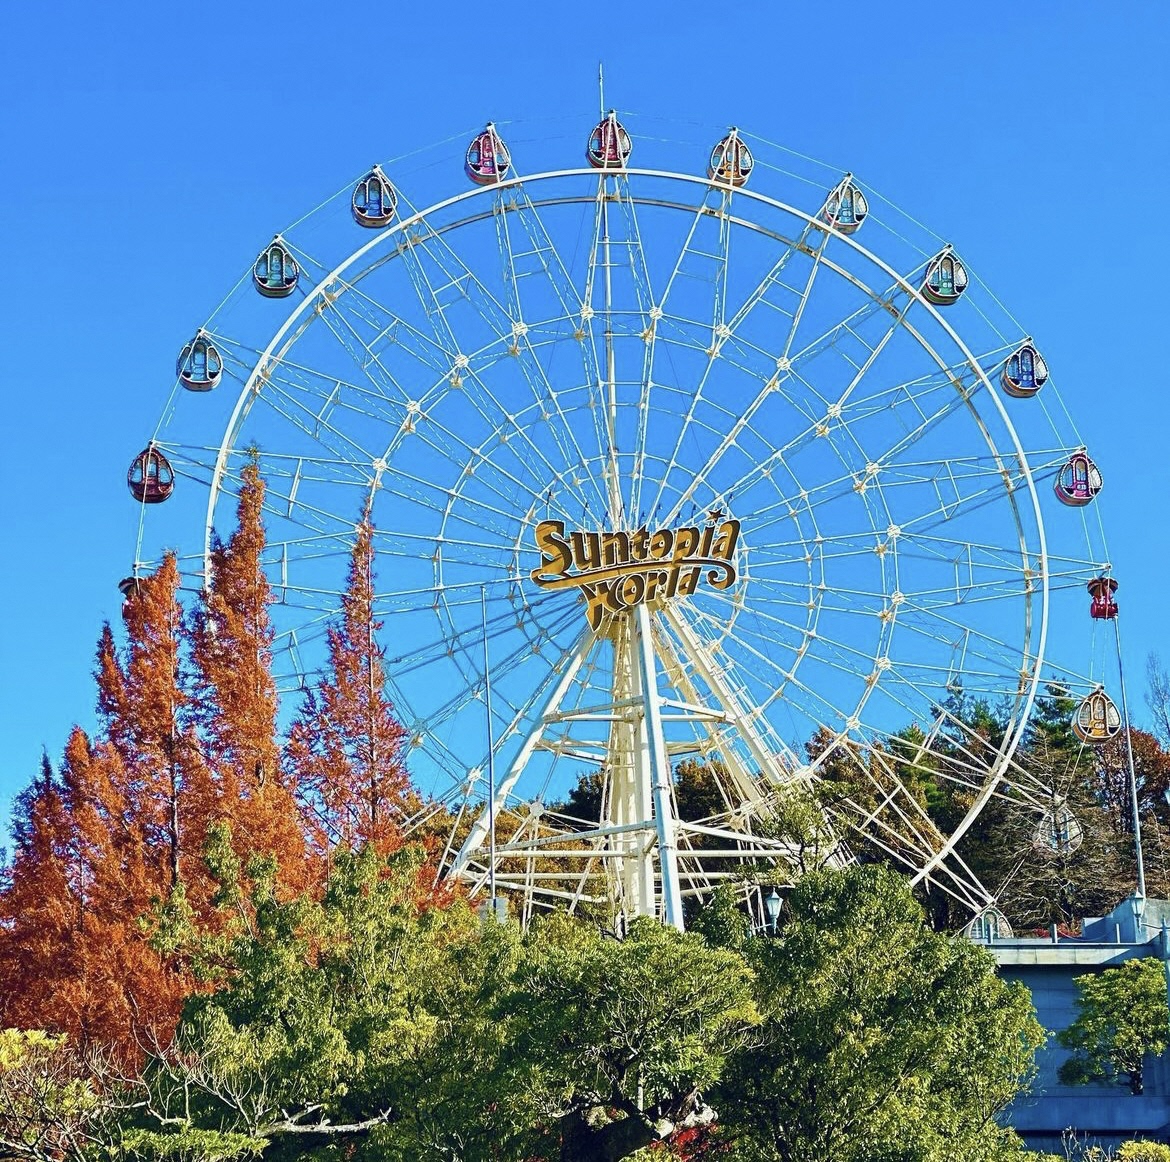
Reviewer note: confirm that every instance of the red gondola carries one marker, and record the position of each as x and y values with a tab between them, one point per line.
200	364
846	207
731	161
946	279
1025	372
1078	481
1103	606
488	160
609	146
374	200
151	478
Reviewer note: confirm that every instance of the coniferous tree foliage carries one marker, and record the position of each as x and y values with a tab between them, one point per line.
346	748
879	1039
232	653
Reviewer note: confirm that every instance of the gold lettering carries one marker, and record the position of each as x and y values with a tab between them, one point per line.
661	544
615	548
688	581
587	551
618	570
686	540
556	556
724	547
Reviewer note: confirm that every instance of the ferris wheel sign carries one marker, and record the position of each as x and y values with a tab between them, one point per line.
616	571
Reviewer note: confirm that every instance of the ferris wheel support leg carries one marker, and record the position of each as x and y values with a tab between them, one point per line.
643	871
480	829
653	754
696	652
629	778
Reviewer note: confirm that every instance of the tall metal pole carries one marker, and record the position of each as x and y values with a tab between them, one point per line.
614	489
659	761
1133	793
491	757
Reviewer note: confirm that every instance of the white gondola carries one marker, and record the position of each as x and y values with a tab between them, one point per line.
200	365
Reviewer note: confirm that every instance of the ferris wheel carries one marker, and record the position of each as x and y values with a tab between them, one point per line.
713	457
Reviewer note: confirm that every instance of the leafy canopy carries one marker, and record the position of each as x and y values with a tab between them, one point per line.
882	1040
1122	1015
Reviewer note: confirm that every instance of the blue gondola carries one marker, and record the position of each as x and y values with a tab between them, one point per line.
275	272
946	279
374	200
1025	372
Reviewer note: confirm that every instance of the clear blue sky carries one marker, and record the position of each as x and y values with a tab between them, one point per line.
145	150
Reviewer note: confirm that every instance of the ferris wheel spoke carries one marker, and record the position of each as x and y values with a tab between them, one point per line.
511	332
417	420
412	420
783	362
847	412
287	402
822	428
574	315
635	318
389	332
904	526
758	295
476	392
467	643
699	259
842	658
787	361
898	822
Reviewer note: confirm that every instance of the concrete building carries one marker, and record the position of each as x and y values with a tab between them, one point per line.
1048	966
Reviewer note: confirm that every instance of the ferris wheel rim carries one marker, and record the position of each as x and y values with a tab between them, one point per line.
303	313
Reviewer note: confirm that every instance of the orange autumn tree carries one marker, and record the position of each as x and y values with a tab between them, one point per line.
345	748
112	849
40	904
232	650
119	991
75	956
102	846
147	713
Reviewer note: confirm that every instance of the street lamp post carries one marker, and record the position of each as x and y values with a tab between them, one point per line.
772	904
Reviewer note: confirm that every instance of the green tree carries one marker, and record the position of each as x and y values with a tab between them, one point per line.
326	1017
881	1038
1121	1016
616	1042
50	1109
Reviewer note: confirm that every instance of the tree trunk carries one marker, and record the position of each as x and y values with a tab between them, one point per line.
580	1142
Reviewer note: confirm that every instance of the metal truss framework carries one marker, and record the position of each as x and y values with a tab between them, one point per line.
737	351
